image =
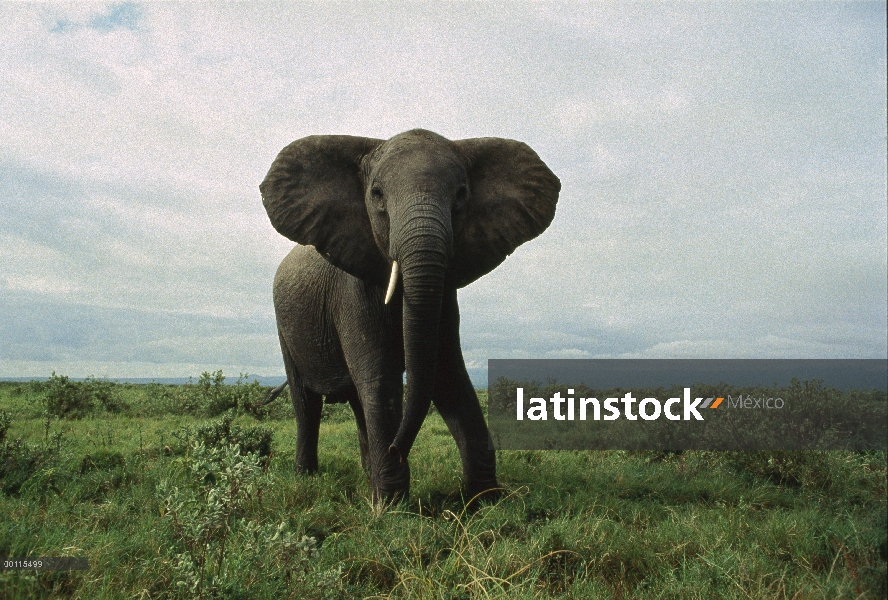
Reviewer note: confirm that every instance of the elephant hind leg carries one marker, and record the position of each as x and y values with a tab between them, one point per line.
308	406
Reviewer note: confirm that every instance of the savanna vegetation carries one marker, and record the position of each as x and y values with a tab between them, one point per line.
190	492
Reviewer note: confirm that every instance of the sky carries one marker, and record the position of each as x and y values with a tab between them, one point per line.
723	171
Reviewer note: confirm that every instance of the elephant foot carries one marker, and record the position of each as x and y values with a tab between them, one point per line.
477	495
390	481
384	499
306	467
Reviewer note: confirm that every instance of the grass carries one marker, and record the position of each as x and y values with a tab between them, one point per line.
573	524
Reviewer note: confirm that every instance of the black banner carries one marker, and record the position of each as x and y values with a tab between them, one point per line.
674	405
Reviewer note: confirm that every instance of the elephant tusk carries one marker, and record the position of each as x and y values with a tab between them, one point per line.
393	281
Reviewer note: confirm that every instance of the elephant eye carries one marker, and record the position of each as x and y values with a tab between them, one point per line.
376	196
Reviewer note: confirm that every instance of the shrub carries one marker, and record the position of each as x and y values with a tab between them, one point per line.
219	433
106	394
76	399
250	397
20	461
216	543
203	515
211	397
67	399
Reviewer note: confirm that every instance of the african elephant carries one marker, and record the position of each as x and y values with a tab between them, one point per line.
388	231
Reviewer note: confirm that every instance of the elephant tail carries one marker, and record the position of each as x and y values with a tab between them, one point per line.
272	395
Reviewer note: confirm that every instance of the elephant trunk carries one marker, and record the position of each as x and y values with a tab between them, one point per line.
423	264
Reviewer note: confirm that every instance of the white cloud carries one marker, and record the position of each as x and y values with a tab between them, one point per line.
714	185
770	346
568	353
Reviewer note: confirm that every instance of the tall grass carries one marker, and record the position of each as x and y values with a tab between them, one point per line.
173	503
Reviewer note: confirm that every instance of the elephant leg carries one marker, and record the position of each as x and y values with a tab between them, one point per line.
381	401
458	405
356	407
307	406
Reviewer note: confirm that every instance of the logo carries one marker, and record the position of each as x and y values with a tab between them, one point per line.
648	409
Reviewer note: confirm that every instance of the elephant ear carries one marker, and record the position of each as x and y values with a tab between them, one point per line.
314	195
512	197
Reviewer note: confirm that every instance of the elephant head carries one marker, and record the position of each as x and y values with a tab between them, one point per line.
433	212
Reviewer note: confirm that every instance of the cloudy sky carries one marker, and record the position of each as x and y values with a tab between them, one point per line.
723	171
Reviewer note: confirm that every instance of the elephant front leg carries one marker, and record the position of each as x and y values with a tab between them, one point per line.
458	405
361	422
382	409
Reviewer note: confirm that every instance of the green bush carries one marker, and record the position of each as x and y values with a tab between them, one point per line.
20	461
211	397
219	433
252	395
106	394
215	541
218	484
76	399
67	399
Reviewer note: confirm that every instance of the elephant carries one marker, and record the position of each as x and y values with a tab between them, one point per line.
387	231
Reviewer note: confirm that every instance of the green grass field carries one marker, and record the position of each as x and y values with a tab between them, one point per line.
159	515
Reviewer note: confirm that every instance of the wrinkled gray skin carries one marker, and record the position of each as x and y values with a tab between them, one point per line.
448	212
